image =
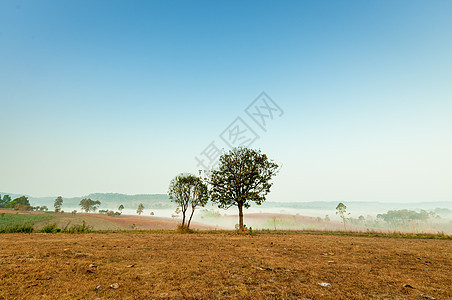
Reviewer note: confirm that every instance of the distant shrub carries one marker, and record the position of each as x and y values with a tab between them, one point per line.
51	228
80	228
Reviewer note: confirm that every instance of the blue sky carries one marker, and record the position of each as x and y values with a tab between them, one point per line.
120	96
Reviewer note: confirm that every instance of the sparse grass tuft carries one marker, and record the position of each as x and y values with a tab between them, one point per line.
183	229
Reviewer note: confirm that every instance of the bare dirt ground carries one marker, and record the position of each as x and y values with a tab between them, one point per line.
148	223
207	265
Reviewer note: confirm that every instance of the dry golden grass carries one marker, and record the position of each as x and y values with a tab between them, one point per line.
170	265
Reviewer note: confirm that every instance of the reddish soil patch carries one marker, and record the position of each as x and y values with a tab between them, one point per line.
149	223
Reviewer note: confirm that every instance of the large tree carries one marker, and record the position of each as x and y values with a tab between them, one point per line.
188	190
243	176
58	203
89	205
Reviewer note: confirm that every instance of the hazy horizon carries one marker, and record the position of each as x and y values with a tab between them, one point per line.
121	97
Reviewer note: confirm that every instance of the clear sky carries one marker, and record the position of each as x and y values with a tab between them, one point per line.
120	96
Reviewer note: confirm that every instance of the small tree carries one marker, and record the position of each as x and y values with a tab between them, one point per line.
6	199
361	220
120	208
341	210
58	203
188	191
140	209
243	177
89	205
44	208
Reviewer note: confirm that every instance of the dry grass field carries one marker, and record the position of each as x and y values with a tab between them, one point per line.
208	265
104	222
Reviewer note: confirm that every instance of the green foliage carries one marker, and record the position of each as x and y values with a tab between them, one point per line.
188	190
58	203
5	200
51	228
80	228
404	217
112	213
243	177
140	209
121	207
21	203
14	219
341	210
17	228
89	205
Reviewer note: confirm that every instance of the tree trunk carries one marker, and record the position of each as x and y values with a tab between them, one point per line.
183	219
241	216
189	220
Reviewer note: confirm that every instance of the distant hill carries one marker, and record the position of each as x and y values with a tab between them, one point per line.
361	205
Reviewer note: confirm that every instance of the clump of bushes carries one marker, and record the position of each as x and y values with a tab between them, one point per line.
79	228
51	228
23	228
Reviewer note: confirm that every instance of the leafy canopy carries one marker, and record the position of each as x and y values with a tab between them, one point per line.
243	176
23	200
58	203
89	205
140	208
188	190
